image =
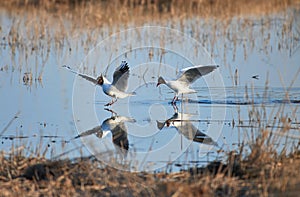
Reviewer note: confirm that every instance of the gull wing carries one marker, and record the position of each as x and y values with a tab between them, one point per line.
187	129
120	136
191	74
203	138
96	130
89	78
120	77
182	123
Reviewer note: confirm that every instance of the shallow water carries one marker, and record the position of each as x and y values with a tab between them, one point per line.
256	85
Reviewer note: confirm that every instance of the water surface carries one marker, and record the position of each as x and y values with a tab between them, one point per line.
44	106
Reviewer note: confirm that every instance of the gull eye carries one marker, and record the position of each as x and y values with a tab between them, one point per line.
100	80
168	123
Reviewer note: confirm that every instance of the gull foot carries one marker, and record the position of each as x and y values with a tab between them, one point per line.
112	111
108	104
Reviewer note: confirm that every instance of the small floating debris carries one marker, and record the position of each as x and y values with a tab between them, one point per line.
12	137
178	165
40	78
151	55
255	77
4	68
27	78
236	76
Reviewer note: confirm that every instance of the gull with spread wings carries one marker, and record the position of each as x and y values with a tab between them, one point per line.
116	125
186	77
182	123
115	89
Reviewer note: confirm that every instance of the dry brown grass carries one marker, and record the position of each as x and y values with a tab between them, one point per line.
257	174
202	7
97	13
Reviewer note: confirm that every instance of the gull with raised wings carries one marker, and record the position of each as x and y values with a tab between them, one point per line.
115	89
186	77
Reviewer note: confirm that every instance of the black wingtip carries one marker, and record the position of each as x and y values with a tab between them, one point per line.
65	66
78	136
124	66
255	77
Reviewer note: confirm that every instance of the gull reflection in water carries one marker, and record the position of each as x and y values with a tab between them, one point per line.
183	124
116	125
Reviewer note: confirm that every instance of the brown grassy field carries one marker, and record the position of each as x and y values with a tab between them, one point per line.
260	173
119	8
91	14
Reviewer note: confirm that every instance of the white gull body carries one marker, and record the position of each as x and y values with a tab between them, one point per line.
115	89
186	77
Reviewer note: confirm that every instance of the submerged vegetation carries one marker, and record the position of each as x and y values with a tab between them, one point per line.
260	167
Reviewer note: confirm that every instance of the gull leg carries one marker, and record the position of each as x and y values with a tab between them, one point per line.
175	107
174	100
113	101
110	103
112	112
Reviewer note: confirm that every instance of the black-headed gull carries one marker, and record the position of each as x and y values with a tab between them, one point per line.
117	88
116	125
185	78
183	125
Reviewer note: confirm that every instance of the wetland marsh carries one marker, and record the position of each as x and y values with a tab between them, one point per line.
248	106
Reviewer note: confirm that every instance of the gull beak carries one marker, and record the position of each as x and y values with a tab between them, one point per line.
160	125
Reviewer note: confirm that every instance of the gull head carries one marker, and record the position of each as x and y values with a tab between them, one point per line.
160	81
160	125
168	123
100	80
